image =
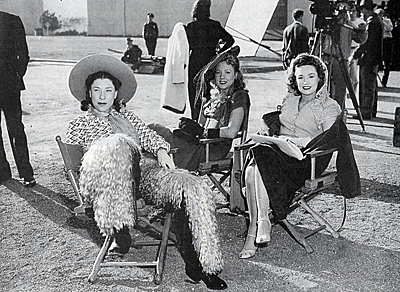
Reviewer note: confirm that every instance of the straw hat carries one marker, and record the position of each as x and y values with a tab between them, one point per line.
99	62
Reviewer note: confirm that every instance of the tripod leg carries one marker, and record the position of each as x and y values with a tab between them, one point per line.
345	73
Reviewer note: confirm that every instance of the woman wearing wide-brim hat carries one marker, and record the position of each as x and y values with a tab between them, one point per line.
225	107
115	142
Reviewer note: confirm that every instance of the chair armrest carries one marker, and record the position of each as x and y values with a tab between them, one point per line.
213	140
244	146
318	153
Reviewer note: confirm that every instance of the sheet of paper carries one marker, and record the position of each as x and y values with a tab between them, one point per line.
283	143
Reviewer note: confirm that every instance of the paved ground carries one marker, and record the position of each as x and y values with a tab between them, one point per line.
44	249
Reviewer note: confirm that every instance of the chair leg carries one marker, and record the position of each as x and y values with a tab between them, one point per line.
218	185
162	252
99	259
318	218
297	236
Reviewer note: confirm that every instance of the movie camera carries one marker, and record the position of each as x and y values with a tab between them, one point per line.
328	11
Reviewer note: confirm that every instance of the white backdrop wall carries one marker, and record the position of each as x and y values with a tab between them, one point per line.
126	17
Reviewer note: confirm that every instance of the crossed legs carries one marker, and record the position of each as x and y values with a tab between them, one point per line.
258	203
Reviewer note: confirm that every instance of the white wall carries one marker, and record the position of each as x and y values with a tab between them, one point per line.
108	17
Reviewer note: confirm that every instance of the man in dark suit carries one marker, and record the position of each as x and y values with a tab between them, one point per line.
369	55
14	58
295	38
150	34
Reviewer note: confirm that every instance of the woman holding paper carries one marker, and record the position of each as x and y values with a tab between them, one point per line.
271	174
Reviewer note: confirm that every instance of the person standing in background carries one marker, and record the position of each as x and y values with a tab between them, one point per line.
14	58
387	44
204	35
295	38
150	34
369	56
357	23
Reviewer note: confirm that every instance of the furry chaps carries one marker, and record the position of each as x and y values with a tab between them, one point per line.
182	189
106	180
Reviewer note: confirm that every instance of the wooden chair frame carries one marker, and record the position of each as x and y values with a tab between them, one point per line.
70	155
221	167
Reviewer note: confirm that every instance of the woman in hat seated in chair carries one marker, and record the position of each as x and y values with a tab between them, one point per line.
123	156
225	105
271	176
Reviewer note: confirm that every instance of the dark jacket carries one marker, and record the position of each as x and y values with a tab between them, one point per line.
203	37
295	41
370	52
14	54
150	31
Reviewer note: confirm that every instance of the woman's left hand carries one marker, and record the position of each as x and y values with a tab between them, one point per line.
164	159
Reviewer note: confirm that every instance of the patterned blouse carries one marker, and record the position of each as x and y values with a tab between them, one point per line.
86	129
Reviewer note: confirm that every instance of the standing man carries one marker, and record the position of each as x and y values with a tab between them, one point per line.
387	52
369	56
295	38
14	58
342	35
150	34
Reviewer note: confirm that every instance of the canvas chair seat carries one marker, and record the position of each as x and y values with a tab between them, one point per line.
72	156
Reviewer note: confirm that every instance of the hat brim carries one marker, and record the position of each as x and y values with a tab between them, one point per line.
235	50
207	69
97	63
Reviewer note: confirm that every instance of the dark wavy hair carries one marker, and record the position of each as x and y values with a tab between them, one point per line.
238	83
303	60
88	83
201	9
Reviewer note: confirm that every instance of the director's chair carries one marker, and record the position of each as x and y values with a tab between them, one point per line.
72	156
311	188
222	167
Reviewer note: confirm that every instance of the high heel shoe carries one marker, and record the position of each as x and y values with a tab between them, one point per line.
248	253
261	236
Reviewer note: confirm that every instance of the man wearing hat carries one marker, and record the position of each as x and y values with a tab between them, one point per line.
150	34
369	56
132	55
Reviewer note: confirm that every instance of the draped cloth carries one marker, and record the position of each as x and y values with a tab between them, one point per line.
118	124
284	175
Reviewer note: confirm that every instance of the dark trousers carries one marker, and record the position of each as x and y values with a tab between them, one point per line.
338	85
368	90
10	104
151	46
387	59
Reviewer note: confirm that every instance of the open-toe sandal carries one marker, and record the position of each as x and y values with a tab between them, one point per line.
263	238
248	253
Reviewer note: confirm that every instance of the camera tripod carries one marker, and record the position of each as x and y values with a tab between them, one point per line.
318	43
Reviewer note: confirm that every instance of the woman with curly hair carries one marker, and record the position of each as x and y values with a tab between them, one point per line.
225	108
271	176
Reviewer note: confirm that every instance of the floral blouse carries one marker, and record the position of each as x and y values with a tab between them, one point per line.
86	129
220	109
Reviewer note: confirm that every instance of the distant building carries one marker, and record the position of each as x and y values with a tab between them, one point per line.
29	11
